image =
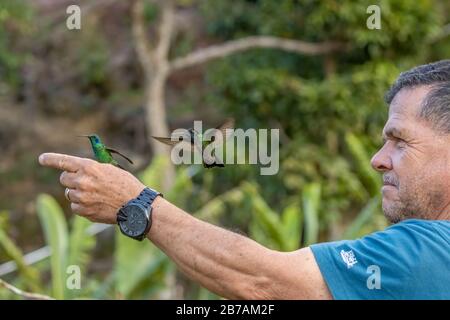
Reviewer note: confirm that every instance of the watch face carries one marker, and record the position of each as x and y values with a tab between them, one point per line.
136	221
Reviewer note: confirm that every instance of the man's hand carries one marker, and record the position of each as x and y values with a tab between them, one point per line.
97	190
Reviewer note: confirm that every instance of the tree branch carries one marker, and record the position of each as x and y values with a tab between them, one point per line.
24	294
142	46
225	49
165	31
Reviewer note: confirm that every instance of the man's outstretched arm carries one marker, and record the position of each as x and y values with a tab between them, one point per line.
226	263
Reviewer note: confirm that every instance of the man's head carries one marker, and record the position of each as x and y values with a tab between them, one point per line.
415	158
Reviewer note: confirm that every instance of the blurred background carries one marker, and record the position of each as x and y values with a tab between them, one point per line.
312	69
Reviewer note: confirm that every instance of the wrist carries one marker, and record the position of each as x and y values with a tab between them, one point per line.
132	193
157	210
135	217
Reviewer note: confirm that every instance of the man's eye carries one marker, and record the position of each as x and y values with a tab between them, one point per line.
401	144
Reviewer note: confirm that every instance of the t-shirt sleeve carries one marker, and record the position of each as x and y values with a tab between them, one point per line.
377	266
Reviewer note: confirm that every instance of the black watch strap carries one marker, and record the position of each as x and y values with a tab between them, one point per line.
146	197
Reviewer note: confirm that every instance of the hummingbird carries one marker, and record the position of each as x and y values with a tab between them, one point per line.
195	142
102	153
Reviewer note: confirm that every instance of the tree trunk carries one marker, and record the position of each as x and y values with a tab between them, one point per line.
155	114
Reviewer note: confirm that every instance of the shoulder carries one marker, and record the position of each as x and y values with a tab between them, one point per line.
400	252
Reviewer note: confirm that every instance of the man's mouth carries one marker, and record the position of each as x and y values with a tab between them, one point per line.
389	182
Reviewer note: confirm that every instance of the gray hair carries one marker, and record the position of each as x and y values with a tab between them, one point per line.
436	105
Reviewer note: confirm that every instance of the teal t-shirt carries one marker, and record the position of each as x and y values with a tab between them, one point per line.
408	260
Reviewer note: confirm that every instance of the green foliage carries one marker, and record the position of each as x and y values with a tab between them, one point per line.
283	232
369	176
80	246
30	273
356	227
15	22
80	242
138	262
66	249
56	235
266	222
311	203
330	109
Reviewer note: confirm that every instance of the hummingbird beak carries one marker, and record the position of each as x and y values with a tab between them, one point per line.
83	136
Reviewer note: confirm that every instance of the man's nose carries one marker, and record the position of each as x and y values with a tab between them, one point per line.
381	161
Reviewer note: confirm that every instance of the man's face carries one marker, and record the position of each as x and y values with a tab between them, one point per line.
414	161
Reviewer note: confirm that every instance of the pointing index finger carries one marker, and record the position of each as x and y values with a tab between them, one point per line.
61	161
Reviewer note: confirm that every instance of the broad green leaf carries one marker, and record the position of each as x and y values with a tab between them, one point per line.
371	179
363	217
151	176
80	245
182	187
30	274
291	220
311	203
135	262
80	242
268	220
216	206
55	230
258	234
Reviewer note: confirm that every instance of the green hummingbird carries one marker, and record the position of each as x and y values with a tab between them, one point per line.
195	143
102	153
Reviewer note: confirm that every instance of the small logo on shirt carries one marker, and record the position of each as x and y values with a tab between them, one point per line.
349	258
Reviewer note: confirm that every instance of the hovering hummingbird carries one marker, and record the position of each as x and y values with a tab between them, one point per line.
102	153
195	143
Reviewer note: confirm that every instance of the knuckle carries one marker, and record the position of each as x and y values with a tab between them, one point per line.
85	162
84	198
61	162
81	182
62	177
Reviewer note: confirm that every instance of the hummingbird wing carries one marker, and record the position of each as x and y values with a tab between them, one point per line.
120	154
184	144
223	134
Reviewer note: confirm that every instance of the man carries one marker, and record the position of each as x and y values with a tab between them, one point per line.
408	260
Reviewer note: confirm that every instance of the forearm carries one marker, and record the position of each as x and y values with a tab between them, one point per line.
226	263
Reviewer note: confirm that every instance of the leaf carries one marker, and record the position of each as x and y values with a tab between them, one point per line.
268	220
311	203
30	274
291	220
216	206
135	262
151	176
362	219
80	245
369	176
80	242
258	234
182	187
55	230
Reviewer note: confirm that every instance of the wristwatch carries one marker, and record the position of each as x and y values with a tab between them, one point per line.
135	217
